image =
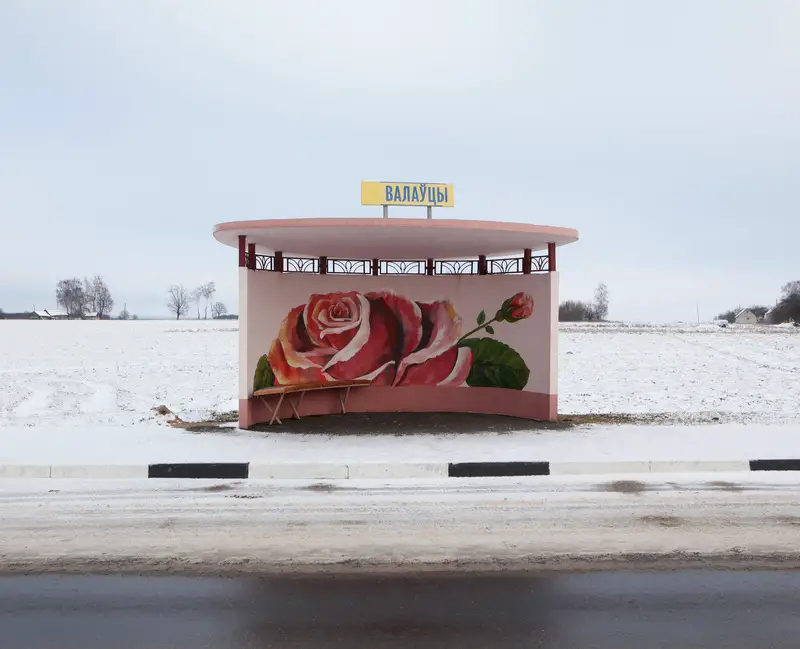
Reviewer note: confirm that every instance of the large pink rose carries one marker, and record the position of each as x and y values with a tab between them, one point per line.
379	336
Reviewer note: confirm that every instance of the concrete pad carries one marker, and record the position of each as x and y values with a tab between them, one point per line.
298	471
107	471
379	471
24	471
598	468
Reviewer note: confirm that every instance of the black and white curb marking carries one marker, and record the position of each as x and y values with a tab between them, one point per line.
385	471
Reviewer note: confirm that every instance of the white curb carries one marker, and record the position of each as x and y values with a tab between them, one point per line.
397	471
24	471
298	471
108	472
597	468
699	466
377	470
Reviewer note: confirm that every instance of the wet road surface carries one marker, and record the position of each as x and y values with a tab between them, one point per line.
623	610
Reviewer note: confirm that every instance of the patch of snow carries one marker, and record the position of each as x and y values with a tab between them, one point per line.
113	373
739	370
245	526
84	391
153	444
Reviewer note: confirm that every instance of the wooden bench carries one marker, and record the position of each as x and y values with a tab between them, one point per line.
286	391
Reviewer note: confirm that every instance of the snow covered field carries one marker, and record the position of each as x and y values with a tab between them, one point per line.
90	373
111	374
752	372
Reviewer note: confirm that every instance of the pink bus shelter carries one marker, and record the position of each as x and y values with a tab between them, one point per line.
437	315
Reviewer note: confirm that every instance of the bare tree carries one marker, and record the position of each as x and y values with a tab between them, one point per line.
791	288
71	296
178	300
788	309
124	314
207	291
98	297
196	296
575	311
601	302
218	309
88	296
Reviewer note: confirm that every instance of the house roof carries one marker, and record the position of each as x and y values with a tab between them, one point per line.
743	311
42	314
54	313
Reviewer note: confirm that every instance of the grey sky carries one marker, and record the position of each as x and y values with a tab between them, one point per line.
666	132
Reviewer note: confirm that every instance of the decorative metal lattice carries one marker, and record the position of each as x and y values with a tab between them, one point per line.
300	265
402	267
350	266
506	266
456	267
265	262
540	264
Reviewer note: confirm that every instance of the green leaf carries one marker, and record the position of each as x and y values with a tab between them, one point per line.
489	329
481	317
264	377
495	365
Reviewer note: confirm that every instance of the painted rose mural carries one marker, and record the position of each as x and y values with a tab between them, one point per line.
393	341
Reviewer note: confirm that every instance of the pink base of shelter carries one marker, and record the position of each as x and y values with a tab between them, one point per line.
441	315
490	401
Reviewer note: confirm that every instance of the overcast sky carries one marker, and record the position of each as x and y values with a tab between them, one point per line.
666	132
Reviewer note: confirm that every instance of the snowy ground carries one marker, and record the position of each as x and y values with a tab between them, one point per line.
151	444
104	378
90	373
752	371
113	373
490	523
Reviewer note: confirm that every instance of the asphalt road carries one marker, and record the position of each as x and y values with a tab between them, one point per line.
623	610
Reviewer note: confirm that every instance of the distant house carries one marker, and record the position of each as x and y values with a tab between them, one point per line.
772	316
746	316
24	315
48	314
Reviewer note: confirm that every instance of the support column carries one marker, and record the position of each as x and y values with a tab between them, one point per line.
251	256
323	265
483	268
429	267
278	265
526	261
245	378
376	267
242	251
551	257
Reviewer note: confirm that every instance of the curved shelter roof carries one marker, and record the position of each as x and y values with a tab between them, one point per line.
392	238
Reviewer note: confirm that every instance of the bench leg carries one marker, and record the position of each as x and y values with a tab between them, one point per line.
343	399
273	412
294	406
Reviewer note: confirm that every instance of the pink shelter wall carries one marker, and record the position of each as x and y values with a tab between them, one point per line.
410	334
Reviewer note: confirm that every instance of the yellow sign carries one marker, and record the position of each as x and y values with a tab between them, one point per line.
417	194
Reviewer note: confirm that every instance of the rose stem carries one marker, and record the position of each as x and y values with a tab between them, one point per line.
483	326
